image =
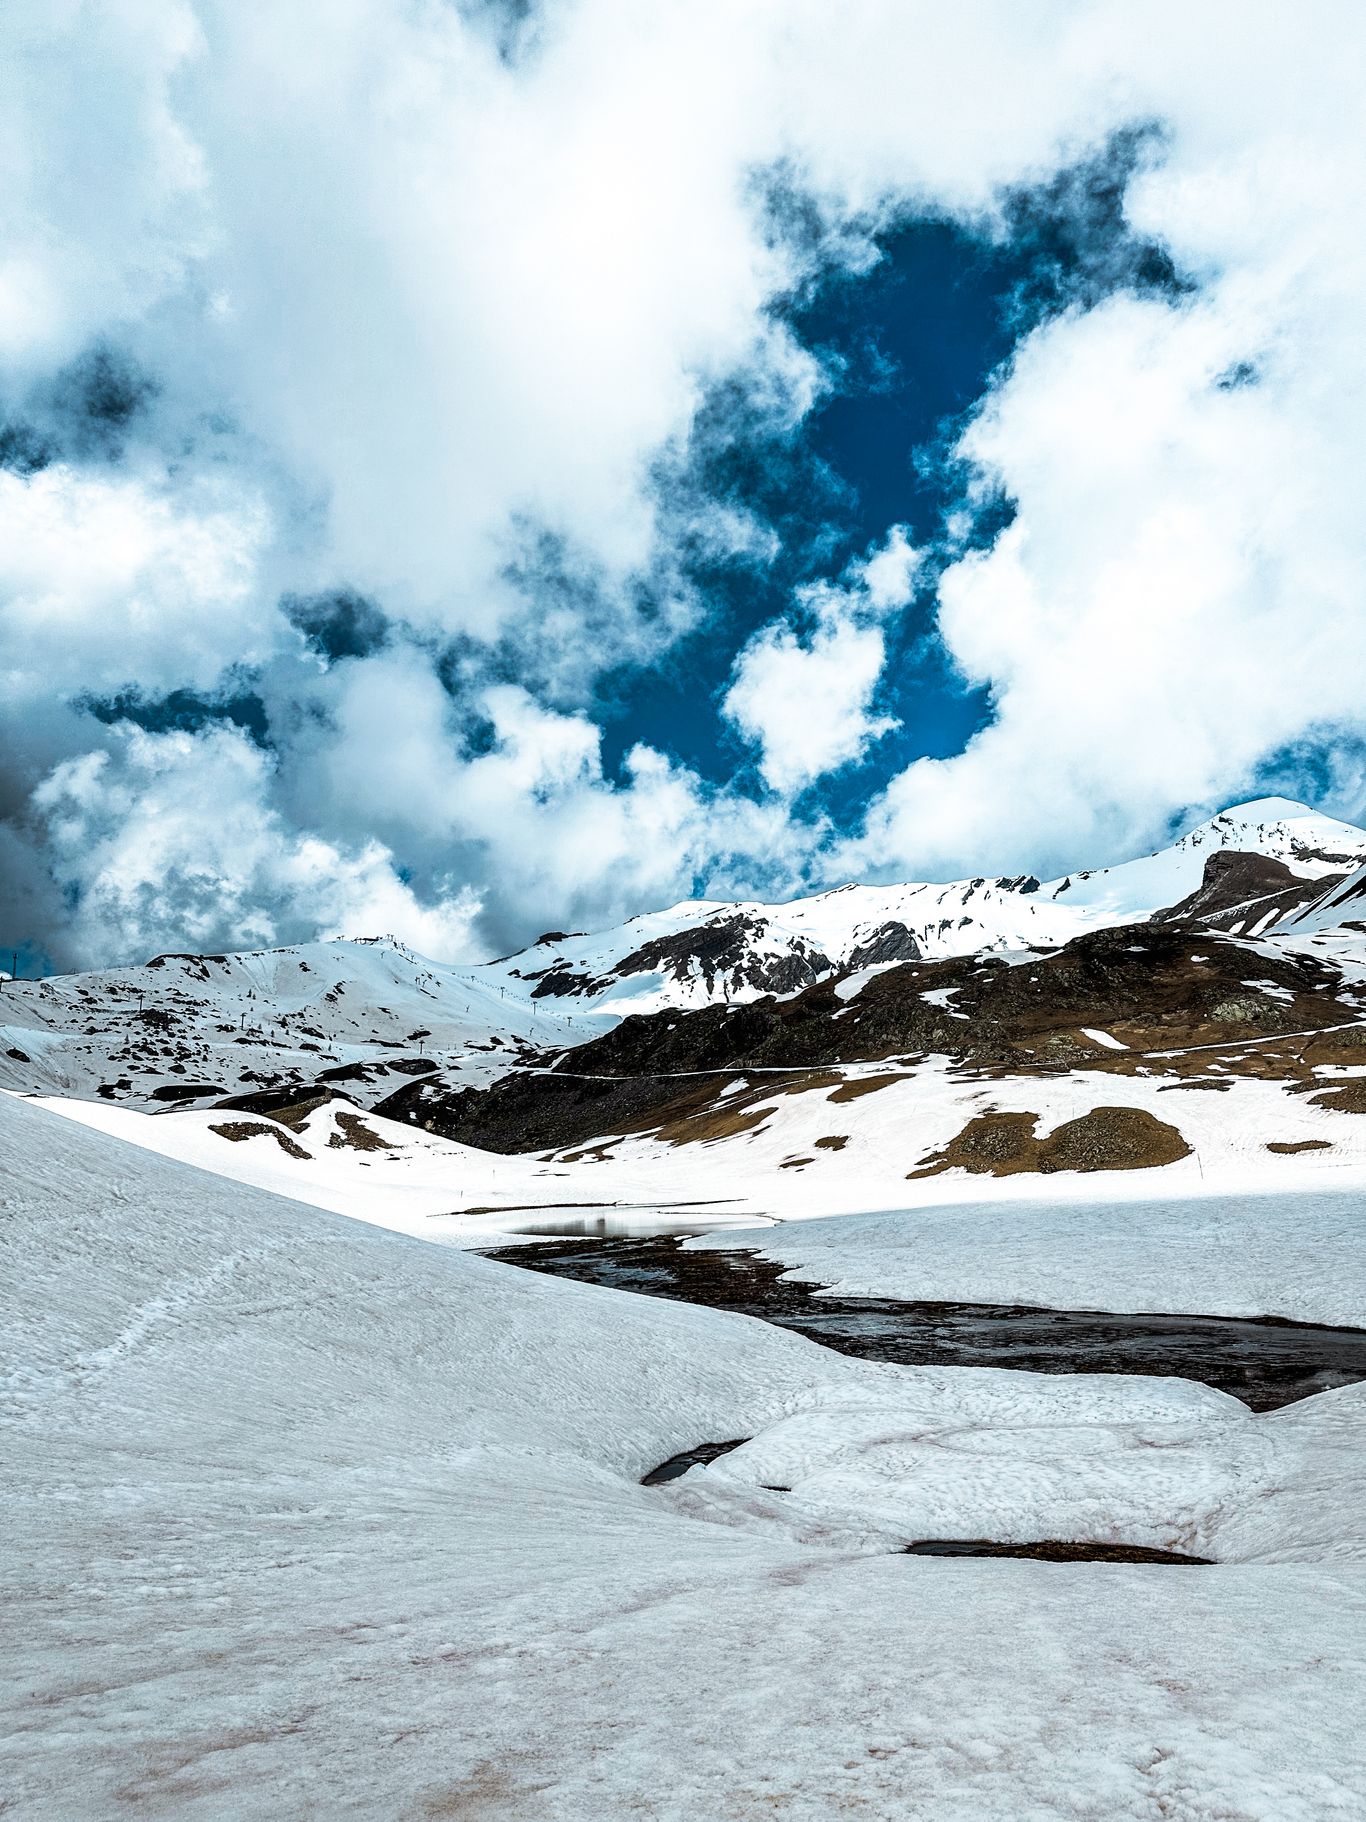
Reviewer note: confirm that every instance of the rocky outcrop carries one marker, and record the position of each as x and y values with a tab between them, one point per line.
892	943
1106	1138
1243	892
731	953
1149	989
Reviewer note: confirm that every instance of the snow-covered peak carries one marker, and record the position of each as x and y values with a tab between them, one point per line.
366	1012
1282	829
1310	845
699	950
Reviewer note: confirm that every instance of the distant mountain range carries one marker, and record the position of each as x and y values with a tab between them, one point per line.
1243	871
1241	938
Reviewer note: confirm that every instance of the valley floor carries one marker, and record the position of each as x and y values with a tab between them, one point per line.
310	1519
1231	1229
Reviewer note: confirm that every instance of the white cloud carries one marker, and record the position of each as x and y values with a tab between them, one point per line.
107	582
101	208
805	697
169	840
1179	595
404	299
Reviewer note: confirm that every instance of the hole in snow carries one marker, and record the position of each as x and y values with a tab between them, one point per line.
1050	1550
677	1465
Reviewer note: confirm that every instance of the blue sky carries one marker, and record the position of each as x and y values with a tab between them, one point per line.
910	345
463	473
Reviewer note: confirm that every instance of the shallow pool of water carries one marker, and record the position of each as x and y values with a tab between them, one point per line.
1265	1363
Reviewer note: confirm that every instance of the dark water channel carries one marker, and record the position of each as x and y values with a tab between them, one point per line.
1265	1362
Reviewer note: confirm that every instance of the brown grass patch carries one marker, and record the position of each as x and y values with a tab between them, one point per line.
1344	1097
356	1135
808	1082
237	1130
713	1123
1286	1146
836	1142
597	1153
1106	1138
862	1085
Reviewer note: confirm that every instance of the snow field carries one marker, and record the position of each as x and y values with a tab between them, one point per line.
309	1519
1231	1230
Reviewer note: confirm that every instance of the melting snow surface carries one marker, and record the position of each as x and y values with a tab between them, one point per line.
306	1518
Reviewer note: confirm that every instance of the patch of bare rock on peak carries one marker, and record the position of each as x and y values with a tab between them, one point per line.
1242	892
726	949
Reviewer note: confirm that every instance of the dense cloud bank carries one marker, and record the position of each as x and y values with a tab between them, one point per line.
350	366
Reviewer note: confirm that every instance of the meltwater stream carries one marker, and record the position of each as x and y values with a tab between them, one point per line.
1265	1362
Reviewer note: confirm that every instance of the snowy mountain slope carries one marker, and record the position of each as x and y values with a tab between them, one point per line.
1340	906
700	951
1154	1003
1231	1228
364	1015
306	1518
367	1018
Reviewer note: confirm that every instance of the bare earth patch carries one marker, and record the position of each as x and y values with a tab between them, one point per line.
1106	1138
1287	1146
862	1085
715	1123
355	1134
237	1130
1346	1097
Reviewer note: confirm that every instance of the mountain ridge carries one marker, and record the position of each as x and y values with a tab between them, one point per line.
369	1019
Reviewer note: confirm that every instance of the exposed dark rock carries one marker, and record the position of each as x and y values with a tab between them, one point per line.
1246	1009
237	1130
1053	1550
724	949
1243	890
892	943
526	1112
677	1465
1156	987
291	1105
560	981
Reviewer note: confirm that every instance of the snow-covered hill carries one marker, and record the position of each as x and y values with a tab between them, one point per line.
700	951
306	1519
365	1018
364	1015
